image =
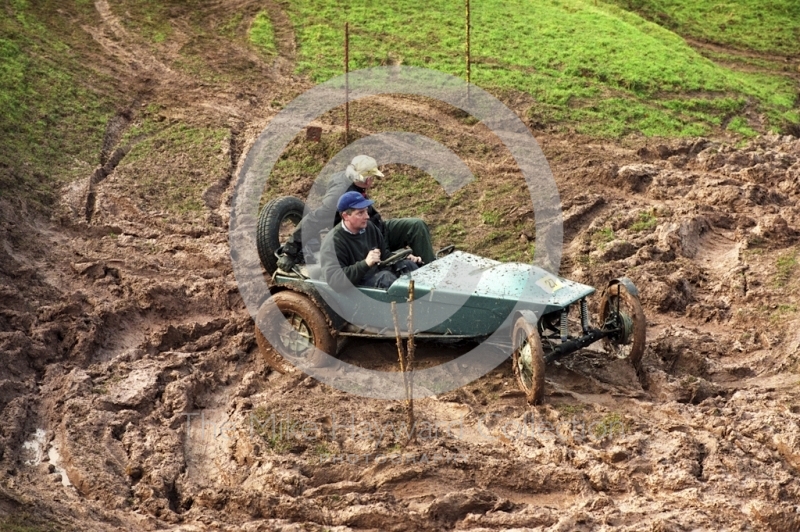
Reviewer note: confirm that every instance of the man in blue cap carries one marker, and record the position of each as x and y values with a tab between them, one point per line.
359	177
352	250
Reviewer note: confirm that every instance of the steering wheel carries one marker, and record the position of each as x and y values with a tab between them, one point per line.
395	257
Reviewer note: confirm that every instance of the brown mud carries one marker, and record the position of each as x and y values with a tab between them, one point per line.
133	396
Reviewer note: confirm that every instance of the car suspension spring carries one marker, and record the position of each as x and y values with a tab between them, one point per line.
584	315
564	328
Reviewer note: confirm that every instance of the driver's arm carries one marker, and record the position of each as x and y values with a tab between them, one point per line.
342	266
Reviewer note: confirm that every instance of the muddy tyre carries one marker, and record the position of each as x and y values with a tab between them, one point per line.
276	222
629	343
300	328
528	360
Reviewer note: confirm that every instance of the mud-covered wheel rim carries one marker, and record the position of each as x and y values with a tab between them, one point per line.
300	338
621	309
528	361
301	328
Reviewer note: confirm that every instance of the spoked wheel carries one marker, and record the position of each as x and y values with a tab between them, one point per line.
621	310
302	331
276	222
528	360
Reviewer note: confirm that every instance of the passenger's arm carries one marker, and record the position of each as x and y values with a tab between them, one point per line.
323	216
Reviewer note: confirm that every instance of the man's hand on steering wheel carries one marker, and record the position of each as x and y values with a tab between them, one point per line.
395	257
373	257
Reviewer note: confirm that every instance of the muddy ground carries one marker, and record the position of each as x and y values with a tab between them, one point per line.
133	395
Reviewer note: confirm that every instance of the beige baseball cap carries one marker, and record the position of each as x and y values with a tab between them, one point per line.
363	167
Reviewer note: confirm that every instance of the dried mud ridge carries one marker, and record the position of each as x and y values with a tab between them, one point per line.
133	395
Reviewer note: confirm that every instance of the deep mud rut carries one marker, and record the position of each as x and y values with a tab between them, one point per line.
133	397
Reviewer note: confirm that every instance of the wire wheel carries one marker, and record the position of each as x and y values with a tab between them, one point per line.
528	360
619	309
301	330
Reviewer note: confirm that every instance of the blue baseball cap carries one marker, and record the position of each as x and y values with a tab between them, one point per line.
353	200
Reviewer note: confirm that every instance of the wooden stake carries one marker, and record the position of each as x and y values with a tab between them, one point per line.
401	355
409	375
405	369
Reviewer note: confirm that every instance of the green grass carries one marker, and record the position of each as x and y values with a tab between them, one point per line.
603	236
785	266
302	159
262	35
610	426
275	434
173	165
646	221
781	313
594	66
148	18
52	119
570	409
228	28
762	25
28	522
747	60
739	125
490	217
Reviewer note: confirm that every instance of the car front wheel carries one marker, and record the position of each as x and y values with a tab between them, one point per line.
528	360
621	310
300	329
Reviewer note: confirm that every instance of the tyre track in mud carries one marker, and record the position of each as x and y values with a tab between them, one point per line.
791	64
489	467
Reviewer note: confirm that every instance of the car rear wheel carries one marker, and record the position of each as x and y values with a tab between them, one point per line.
276	222
622	310
302	332
528	360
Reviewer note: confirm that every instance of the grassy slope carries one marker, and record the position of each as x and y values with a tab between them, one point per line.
172	164
52	118
591	66
600	68
262	35
771	26
174	160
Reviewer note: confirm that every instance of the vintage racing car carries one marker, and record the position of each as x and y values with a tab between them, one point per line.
461	296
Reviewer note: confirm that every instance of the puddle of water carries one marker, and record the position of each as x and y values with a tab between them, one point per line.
34	452
33	448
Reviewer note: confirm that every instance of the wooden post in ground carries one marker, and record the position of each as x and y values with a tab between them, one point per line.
409	375
405	366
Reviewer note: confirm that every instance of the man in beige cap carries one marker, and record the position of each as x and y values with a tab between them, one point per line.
359	177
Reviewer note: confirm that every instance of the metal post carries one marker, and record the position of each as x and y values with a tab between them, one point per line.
466	2
346	83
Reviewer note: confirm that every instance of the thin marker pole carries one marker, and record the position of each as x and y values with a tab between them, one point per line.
346	83
466	4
